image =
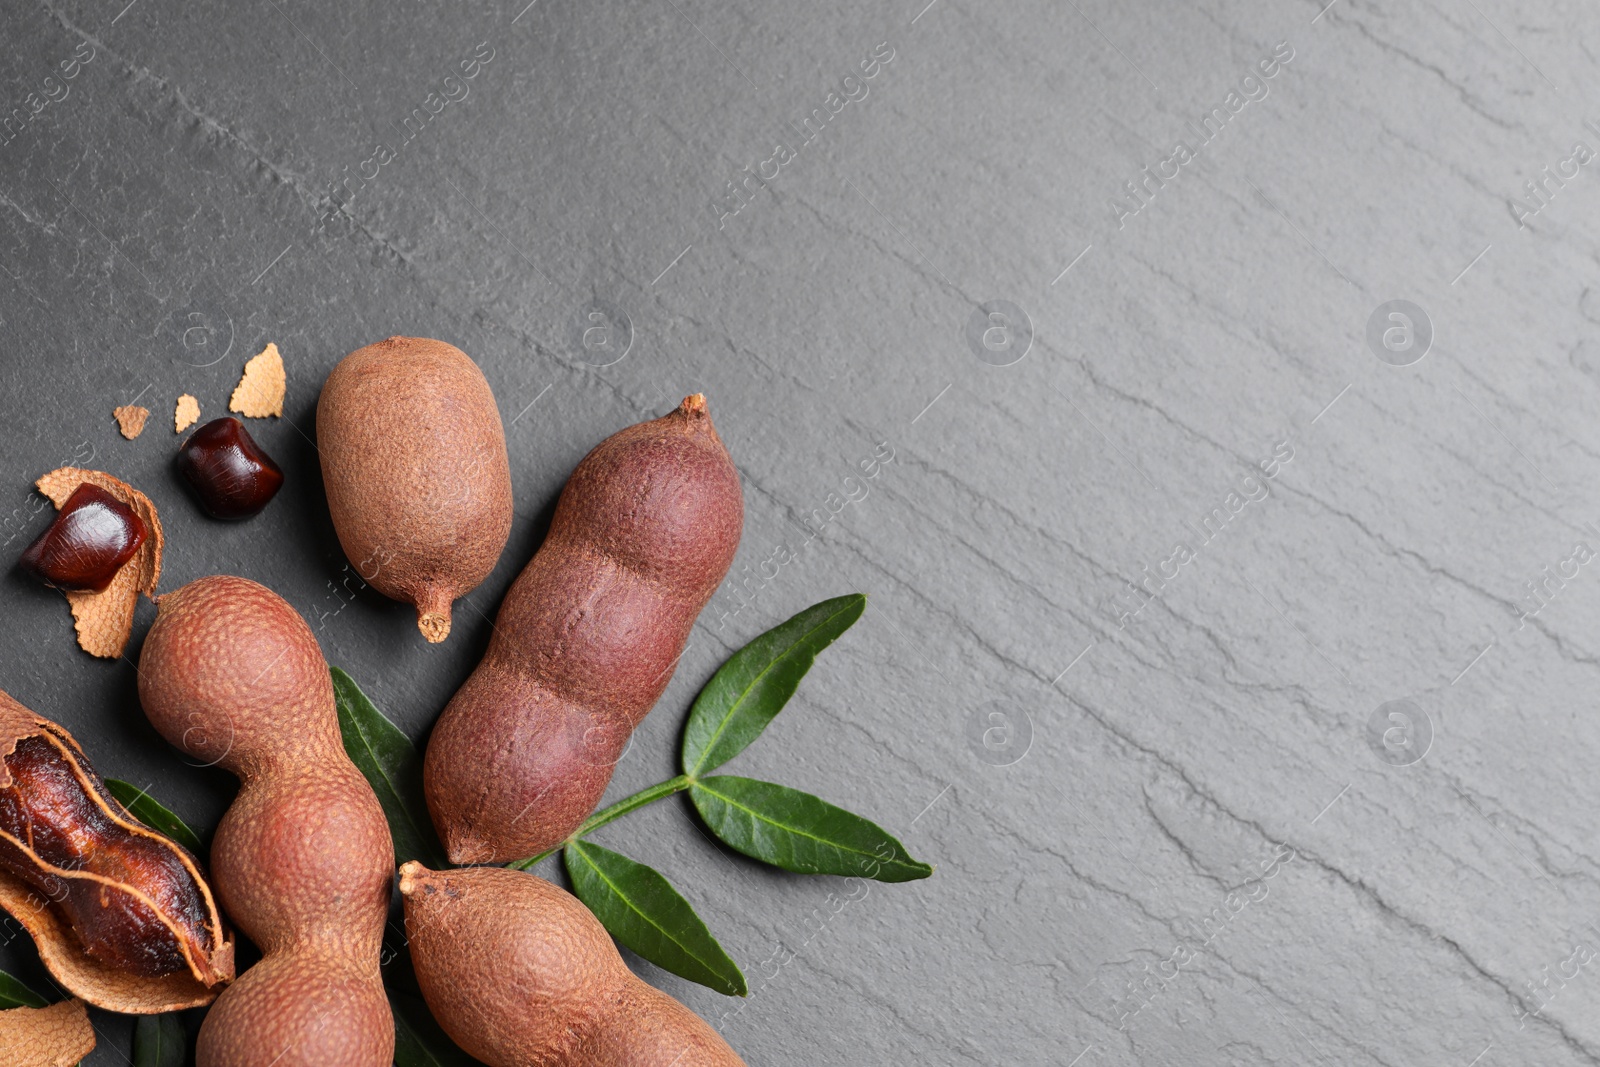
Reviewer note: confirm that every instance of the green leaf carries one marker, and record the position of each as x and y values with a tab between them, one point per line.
147	810
644	912
800	832
758	680
13	994
159	1041
390	762
419	1041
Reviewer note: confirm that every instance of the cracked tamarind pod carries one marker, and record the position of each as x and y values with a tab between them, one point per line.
302	860
586	639
121	914
519	973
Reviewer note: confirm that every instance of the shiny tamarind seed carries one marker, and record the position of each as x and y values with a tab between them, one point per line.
230	475
92	536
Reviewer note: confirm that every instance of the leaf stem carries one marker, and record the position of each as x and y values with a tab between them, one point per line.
615	811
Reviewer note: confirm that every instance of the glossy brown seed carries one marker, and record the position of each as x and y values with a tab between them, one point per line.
104	617
230	475
92	536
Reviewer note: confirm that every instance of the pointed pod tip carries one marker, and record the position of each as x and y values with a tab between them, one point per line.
466	850
413	876
434	626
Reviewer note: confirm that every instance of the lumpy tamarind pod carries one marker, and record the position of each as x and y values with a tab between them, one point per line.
302	860
518	972
121	914
586	639
414	465
55	1036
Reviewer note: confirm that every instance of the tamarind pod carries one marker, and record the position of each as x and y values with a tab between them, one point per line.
519	973
586	639
302	860
121	914
415	469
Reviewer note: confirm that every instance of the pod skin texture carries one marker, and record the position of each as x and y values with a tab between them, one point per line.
586	639
302	861
414	466
520	974
55	1036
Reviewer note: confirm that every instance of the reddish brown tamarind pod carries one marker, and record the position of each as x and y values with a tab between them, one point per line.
121	915
519	973
302	860
586	639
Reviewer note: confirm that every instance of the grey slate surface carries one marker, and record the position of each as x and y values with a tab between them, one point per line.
1171	837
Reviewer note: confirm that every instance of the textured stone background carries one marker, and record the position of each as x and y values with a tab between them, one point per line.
1163	838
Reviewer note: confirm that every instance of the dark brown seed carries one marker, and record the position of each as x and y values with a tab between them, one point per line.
230	475
92	536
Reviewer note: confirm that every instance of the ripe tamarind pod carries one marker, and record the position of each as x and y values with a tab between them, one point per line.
58	1035
586	639
302	860
121	914
414	465
519	973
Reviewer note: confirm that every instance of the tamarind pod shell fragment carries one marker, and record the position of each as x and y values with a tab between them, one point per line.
415	469
586	639
58	1035
112	905
518	972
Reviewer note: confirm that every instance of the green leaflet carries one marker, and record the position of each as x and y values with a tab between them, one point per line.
13	994
159	1041
391	764
642	910
758	680
800	832
147	810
